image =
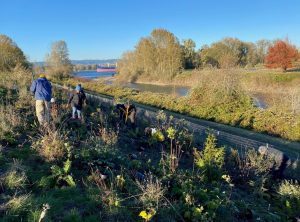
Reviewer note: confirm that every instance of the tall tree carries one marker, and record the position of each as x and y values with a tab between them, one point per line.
58	62
281	55
11	55
229	52
262	47
158	56
168	53
191	59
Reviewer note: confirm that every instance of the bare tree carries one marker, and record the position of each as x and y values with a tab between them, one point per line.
58	62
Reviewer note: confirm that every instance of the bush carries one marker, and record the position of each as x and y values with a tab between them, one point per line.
51	144
289	193
10	123
211	159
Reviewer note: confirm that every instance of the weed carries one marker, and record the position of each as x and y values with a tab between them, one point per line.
152	192
289	189
10	122
211	159
289	193
51	144
18	204
15	177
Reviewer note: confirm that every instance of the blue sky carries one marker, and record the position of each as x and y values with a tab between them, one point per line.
98	29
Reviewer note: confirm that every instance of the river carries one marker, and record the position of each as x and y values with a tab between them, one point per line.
166	89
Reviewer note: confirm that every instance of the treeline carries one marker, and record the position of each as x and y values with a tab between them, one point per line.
161	56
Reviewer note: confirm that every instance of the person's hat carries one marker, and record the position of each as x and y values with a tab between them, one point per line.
78	88
42	75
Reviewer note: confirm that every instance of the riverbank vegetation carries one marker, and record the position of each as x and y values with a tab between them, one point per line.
220	99
101	169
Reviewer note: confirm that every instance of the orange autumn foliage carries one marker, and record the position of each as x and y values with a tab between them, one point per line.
281	55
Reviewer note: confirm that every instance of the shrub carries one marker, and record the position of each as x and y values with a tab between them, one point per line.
211	159
51	144
10	122
252	169
289	193
152	192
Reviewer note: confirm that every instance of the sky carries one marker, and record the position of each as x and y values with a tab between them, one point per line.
105	29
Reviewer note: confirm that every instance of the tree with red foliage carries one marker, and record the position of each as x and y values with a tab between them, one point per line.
281	55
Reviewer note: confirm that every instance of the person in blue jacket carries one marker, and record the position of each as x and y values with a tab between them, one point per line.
42	90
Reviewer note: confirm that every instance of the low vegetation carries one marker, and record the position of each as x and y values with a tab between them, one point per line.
220	98
105	170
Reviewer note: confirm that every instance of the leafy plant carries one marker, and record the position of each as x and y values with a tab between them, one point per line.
60	176
289	193
211	159
63	174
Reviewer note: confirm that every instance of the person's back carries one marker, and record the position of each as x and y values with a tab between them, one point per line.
42	89
77	99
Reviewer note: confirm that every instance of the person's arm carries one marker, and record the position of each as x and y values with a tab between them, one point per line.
33	87
70	98
50	88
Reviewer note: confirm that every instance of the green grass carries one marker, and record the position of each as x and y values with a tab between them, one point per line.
273	77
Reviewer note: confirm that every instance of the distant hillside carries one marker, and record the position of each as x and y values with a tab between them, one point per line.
85	61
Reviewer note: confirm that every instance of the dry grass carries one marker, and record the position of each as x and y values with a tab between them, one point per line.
15	177
290	189
152	191
50	144
9	121
18	203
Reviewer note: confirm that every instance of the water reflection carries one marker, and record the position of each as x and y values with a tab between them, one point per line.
166	89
